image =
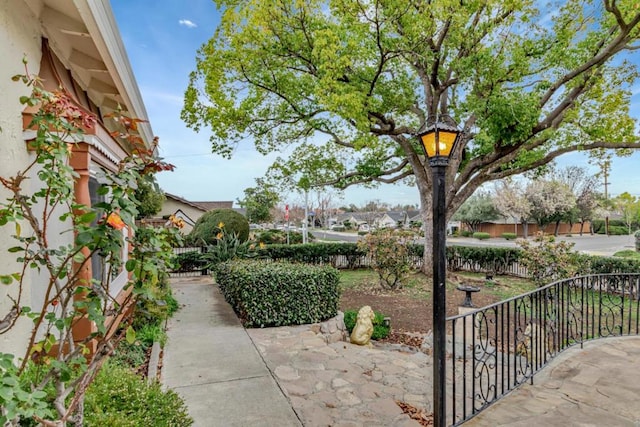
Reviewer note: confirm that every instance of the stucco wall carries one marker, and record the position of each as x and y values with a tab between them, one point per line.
170	206
19	36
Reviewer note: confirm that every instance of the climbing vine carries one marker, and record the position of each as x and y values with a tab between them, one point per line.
46	382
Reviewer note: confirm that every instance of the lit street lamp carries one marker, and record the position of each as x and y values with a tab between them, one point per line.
438	141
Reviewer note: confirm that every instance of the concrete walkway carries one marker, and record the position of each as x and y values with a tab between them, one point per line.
290	376
211	362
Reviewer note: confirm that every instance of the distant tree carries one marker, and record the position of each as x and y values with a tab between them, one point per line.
259	201
477	209
629	208
583	186
510	200
150	197
550	200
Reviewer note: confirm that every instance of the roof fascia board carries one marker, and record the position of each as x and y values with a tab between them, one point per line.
99	19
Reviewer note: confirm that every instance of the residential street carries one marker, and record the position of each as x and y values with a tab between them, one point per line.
595	245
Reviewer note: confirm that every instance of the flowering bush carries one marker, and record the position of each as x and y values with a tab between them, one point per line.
389	251
547	260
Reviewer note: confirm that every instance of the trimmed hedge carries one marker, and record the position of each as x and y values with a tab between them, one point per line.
206	228
509	236
267	293
481	235
313	253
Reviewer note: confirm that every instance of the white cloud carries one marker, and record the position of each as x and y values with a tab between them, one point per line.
187	23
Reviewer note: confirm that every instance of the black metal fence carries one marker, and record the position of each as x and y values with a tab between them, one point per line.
496	348
189	262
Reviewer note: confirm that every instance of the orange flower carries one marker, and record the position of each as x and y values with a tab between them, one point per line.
115	221
219	236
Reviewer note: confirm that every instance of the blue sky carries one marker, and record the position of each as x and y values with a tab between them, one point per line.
162	37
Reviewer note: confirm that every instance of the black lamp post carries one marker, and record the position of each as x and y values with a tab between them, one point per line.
438	141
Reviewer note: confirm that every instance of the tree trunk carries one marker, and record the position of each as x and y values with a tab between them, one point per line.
557	229
581	227
525	229
427	220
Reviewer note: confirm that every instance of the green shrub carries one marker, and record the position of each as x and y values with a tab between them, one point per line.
466	233
509	236
593	264
362	233
189	261
547	260
118	397
380	331
279	237
149	334
267	293
616	227
618	230
389	251
480	235
227	247
130	354
209	226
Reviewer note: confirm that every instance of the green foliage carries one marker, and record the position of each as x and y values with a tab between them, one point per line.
128	354
591	264
258	201
509	236
315	253
189	261
389	251
547	260
227	247
496	259
265	293
150	198
616	227
17	400
279	237
466	233
208	227
281	75
477	209
380	331
118	397
481	235
59	263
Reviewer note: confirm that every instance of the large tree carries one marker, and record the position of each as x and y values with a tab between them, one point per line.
477	209
353	81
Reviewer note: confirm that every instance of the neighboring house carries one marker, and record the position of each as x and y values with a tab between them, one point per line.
496	228
392	219
189	211
74	45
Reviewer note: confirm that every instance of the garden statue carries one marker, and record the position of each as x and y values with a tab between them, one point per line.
363	329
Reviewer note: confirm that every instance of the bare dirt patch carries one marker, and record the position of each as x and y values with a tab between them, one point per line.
410	308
